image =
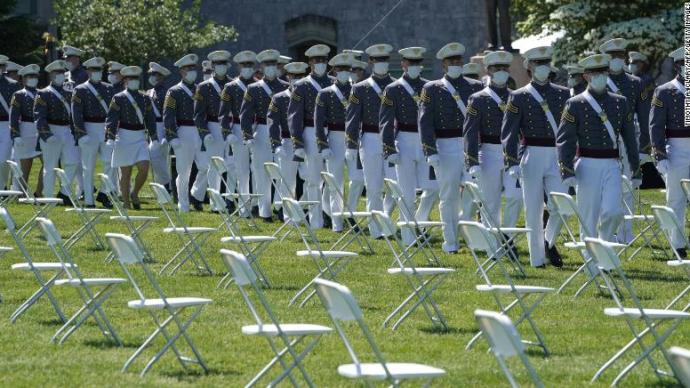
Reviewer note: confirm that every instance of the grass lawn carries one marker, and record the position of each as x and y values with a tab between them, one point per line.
577	332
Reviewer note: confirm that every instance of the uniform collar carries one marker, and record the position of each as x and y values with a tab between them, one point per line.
598	96
680	79
540	88
455	81
617	77
499	91
29	88
93	83
323	78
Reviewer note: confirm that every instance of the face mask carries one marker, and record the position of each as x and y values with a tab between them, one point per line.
133	84
598	82
96	76
381	68
246	72
113	79
354	78
319	69
541	73
454	71
270	71
153	80
59	79
221	70
31	82
342	76
190	76
616	65
414	71
572	82
632	68
207	76
500	77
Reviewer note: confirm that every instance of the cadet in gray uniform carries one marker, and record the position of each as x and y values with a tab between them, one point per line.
401	142
594	124
22	125
7	89
671	142
76	74
441	114
576	82
160	152
528	135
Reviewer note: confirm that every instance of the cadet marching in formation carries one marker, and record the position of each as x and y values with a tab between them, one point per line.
431	136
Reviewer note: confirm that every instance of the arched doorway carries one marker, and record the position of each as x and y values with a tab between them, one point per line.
307	30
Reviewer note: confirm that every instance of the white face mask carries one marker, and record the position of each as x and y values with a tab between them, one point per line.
319	69
246	72
632	68
113	78
381	68
59	79
572	82
206	76
96	76
414	71
31	82
354	78
133	84
598	82
190	76
220	70
616	65
343	76
500	77
270	71
454	71
153	80
541	73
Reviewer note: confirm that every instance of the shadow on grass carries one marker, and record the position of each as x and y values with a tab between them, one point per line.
653	276
108	344
192	373
450	330
50	322
665	383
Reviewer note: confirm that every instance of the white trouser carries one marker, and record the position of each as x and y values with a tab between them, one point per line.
240	153
261	153
313	164
450	173
389	201
336	166
29	136
215	147
160	158
288	169
412	172
625	232
5	152
356	183
371	153
89	152
540	175
678	151
187	153
494	180
61	149
599	195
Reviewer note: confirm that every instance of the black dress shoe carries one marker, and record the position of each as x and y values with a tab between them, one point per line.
512	248
453	252
196	204
352	222
136	203
553	255
65	199
103	199
255	211
682	253
267	220
327	222
543	266
280	214
90	206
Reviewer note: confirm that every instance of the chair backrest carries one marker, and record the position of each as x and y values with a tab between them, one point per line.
501	333
7	219
338	300
106	184
393	188
564	204
477	237
50	232
125	248
666	219
474	191
162	195
384	222
109	189
218	164
603	253
273	171
242	272
67	187
680	362
277	180
333	185
294	211
18	176
217	200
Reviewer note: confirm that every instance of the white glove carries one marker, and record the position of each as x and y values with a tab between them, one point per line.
300	153
249	143
154	146
569	181
433	161
514	171
175	143
645	158
279	151
110	142
326	153
475	171
18	141
164	142
350	154
636	183
662	166
52	139
208	139
231	139
393	158
84	140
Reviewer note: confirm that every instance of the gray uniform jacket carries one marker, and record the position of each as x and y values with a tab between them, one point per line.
483	122
666	118
255	105
330	112
87	108
399	111
302	106
277	118
122	114
178	109
21	109
363	109
48	109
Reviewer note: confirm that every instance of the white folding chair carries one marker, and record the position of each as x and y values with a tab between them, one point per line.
422	280
42	206
649	318
480	239
243	202
668	223
680	363
283	191
355	232
136	225
89	217
648	230
422	230
251	246
342	307
92	301
271	329
328	263
192	238
164	311
505	342
36	268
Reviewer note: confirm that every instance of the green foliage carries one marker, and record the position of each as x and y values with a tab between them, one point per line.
20	35
137	31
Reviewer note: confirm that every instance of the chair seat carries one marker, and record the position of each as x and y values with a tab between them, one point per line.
520	289
90	281
510	230
5	249
581	245
352	214
157	304
41	266
423	224
429	271
308	203
134	218
41	201
87	210
189	230
235	195
9	193
248	239
651	313
327	254
399	371
678	263
638	217
289	329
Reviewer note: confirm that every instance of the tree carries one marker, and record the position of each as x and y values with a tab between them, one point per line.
654	27
137	31
21	37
